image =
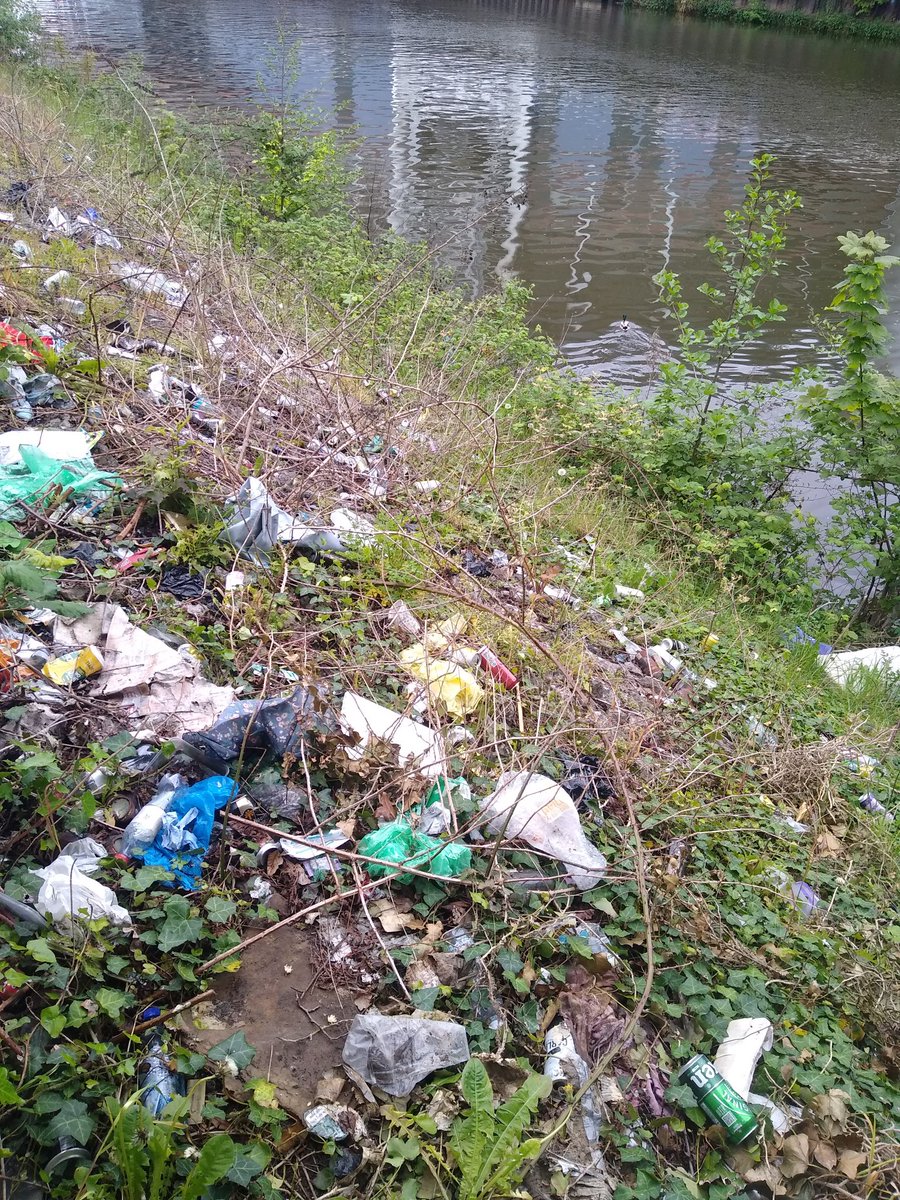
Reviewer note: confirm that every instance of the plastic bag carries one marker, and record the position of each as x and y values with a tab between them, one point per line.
418	745
40	472
397	842
257	524
153	283
68	891
453	686
842	666
186	828
279	724
746	1039
396	1053
533	809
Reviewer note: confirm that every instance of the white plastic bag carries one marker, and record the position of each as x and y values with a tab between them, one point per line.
532	808
68	892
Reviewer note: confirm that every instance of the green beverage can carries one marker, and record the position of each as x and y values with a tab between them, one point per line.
718	1099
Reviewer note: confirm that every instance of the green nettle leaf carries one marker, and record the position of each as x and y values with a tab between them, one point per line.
74	1121
216	1159
144	878
10	538
236	1049
179	926
42	760
8	1093
264	1093
509	960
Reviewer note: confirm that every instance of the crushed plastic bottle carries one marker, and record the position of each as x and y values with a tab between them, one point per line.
55	281
140	832
563	1064
159	1083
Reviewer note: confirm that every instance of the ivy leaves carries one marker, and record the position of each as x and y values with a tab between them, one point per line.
179	926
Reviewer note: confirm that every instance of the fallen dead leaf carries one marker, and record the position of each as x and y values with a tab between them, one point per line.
825	1155
827	845
391	919
831	1109
421	974
609	1090
443	1108
850	1161
767	1173
795	1155
385	809
330	1085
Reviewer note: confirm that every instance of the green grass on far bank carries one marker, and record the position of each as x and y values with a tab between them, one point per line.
829	23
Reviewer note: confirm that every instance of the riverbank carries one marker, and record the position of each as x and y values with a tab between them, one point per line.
835	24
254	331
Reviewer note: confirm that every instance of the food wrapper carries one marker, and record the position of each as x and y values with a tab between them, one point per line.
71	667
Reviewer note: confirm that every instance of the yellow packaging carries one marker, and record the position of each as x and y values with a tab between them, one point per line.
448	683
709	641
72	667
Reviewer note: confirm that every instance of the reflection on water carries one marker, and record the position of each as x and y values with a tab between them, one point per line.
576	146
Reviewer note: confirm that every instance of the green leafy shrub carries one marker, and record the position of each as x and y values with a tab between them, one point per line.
858	424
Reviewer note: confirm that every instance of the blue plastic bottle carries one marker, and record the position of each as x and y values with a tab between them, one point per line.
159	1083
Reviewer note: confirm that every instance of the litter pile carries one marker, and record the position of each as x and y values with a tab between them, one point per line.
350	852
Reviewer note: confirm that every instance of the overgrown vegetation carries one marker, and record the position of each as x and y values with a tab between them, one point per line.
830	22
349	370
717	462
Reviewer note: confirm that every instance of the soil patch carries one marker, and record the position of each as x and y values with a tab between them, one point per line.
295	1019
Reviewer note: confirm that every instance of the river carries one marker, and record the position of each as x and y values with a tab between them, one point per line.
577	146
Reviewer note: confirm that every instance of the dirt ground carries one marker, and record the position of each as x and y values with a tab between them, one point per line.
289	1011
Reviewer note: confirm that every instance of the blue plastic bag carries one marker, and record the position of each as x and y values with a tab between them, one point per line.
183	839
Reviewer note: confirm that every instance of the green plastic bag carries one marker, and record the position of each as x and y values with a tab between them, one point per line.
399	843
453	789
38	472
